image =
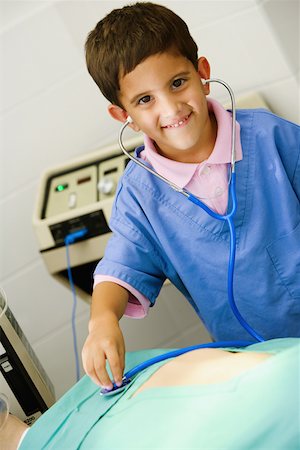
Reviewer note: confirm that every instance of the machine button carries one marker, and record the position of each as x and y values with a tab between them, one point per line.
72	201
106	186
6	366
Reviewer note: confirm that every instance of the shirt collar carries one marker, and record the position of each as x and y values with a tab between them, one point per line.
181	173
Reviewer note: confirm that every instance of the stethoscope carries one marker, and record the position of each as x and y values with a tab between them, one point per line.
127	378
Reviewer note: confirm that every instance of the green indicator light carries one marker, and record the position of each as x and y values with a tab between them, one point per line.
61	187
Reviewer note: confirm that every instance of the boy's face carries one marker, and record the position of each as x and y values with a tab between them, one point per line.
166	100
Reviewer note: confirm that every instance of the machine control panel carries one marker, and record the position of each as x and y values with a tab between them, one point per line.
72	190
80	187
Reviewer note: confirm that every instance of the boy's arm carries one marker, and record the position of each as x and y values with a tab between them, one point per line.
105	339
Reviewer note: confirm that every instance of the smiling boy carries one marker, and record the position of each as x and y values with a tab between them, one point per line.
166	100
145	62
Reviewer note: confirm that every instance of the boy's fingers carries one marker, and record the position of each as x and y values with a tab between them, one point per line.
122	359
116	366
89	369
95	379
101	373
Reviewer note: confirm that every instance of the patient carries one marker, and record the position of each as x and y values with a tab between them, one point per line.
208	398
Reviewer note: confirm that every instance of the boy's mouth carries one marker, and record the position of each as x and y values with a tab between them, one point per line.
179	123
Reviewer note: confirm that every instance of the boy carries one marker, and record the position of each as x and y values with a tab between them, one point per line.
145	62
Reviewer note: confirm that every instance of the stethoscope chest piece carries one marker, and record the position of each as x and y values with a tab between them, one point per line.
116	389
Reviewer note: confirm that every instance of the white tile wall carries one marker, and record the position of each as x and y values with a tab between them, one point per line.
14	12
241	50
32	60
61	122
204	13
284	16
19	247
46	305
51	111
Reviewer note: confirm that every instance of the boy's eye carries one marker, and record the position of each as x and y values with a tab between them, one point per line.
178	82
144	100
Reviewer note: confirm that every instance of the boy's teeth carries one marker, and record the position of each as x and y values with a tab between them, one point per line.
176	124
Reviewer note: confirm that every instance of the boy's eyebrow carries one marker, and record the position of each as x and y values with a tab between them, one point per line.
143	94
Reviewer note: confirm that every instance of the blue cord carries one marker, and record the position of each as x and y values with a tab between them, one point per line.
230	285
229	219
70	239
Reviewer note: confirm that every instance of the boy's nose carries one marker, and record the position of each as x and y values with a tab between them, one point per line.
169	107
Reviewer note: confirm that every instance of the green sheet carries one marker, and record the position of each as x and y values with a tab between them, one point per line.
256	410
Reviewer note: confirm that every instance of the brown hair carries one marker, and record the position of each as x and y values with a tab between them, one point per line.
129	35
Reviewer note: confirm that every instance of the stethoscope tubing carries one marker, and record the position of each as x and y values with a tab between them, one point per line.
232	250
128	376
173	353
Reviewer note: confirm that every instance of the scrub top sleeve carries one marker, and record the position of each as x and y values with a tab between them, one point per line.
133	253
137	306
287	140
130	258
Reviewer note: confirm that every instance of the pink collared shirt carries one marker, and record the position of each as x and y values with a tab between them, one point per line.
207	180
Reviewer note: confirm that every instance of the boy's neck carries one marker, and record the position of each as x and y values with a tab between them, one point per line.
209	146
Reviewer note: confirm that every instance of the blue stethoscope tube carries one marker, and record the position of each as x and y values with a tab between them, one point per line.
226	217
127	378
229	219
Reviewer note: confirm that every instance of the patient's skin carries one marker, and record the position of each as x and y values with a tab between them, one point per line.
203	366
11	433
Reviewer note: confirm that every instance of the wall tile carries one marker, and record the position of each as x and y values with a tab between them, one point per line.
198	13
152	331
283	17
34	56
56	354
242	51
12	12
191	336
283	97
18	246
62	123
179	310
80	17
41	304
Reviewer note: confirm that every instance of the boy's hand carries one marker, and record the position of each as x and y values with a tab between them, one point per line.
104	342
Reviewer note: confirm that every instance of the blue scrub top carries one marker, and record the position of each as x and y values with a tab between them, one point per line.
159	234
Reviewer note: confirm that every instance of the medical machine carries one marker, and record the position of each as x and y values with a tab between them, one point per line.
75	196
23	380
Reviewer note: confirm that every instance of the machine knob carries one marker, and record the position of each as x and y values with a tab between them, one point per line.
106	186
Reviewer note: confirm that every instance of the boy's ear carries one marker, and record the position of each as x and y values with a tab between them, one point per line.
121	115
204	72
